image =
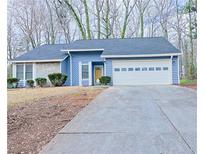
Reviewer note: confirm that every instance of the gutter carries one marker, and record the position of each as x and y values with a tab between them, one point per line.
143	55
30	61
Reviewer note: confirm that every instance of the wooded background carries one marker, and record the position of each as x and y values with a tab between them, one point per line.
32	23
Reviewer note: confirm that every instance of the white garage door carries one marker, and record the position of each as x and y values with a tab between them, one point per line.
142	72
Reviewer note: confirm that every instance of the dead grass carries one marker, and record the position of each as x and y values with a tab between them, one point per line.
23	95
36	115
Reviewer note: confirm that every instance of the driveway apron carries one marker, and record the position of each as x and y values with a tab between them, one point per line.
132	119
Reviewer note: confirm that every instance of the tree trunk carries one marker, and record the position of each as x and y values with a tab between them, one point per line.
98	18
87	19
107	29
51	23
191	73
141	24
124	25
179	35
77	19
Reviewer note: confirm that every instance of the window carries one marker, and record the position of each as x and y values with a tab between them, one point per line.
158	68
165	68
19	72
116	69
144	69
137	69
151	68
29	71
123	69
84	71
130	69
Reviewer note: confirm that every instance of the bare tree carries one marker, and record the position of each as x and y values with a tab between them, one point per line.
51	22
128	9
64	20
106	20
25	17
99	6
190	8
142	6
164	9
76	17
87	19
35	22
152	23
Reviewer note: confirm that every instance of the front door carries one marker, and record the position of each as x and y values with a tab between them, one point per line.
98	72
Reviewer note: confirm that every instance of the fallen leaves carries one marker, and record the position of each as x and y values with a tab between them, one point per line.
34	123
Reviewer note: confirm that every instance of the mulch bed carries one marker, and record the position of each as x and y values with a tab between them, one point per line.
192	86
32	125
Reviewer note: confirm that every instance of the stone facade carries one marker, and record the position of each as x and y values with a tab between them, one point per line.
43	69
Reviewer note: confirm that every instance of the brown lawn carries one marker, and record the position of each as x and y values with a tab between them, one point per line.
36	115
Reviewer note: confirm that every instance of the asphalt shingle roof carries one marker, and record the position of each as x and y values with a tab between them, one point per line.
132	46
45	52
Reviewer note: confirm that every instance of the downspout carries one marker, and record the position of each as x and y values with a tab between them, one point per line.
71	72
171	59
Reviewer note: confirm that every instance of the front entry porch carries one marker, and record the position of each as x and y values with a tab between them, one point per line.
97	72
90	73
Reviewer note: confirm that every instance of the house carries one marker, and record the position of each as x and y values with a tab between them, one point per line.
131	61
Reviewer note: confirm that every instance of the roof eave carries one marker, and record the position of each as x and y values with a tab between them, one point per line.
142	55
33	61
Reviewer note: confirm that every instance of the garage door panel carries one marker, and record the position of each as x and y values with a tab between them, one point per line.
141	77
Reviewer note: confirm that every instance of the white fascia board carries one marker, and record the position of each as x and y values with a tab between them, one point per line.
145	55
64	58
76	50
31	61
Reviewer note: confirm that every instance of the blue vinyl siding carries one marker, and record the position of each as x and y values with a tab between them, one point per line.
95	58
108	65
65	68
84	57
85	82
175	74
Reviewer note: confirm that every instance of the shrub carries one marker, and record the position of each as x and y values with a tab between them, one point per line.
12	82
105	80
57	79
41	81
30	83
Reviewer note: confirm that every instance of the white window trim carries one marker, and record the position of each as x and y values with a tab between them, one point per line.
80	73
90	73
24	74
87	64
16	71
24	71
34	73
101	66
89	79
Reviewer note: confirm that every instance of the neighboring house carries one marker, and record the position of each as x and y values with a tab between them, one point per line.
136	61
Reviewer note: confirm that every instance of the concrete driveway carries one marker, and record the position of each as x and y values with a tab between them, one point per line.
132	120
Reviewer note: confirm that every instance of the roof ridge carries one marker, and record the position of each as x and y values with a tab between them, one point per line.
120	38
